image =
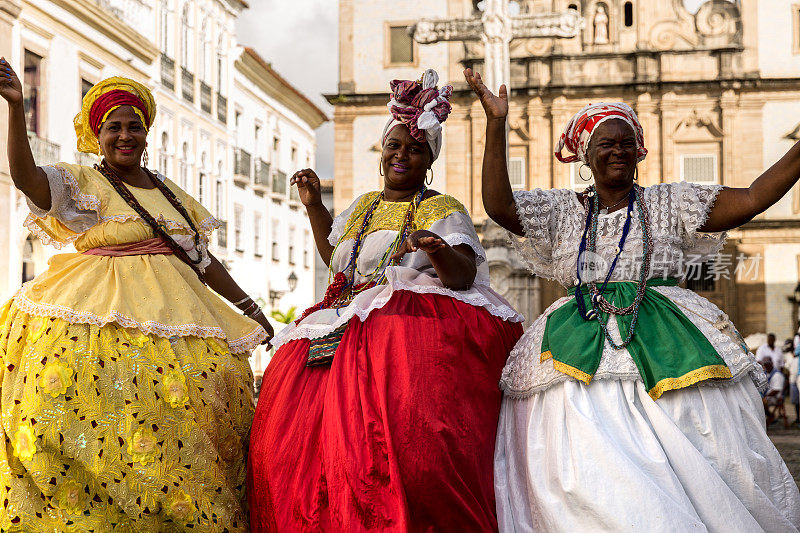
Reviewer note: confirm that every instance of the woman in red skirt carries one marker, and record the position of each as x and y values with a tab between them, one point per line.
379	410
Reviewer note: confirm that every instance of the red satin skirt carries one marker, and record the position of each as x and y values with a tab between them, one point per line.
397	434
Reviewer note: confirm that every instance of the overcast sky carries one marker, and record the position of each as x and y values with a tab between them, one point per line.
300	39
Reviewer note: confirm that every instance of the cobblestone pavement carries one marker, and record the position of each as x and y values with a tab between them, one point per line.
788	443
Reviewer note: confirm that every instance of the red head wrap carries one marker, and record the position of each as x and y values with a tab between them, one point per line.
578	131
110	100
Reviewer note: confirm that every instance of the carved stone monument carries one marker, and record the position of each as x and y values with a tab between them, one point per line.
496	28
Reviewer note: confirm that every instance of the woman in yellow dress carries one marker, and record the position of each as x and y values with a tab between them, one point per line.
125	389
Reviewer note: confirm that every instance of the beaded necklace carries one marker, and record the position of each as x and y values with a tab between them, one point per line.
591	203
378	274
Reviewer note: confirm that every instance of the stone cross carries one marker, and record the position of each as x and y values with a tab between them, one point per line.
497	28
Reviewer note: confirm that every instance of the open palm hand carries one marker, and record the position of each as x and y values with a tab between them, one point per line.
10	86
495	107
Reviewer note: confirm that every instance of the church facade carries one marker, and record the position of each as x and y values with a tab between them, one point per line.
717	89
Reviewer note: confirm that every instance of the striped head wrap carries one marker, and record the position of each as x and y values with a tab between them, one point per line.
421	107
105	97
582	125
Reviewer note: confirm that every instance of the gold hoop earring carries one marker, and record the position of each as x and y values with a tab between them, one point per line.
145	158
580	172
636	174
380	167
428	181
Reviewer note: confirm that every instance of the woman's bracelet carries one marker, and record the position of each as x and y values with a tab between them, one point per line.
250	308
254	313
240	302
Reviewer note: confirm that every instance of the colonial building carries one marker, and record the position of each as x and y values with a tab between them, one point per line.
717	90
270	249
229	128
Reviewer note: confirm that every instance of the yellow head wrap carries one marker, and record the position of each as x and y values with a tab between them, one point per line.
87	139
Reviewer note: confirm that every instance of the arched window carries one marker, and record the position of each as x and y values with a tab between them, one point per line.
219	194
573	7
205	51
164	22
184	170
185	36
628	14
220	64
163	161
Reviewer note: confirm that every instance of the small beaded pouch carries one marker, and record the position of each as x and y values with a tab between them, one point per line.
322	350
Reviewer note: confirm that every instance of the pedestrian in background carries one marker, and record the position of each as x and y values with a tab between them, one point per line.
770	350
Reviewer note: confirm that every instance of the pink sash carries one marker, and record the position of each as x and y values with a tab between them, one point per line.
155	246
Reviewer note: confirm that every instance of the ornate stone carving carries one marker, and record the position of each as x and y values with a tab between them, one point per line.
496	29
716	23
428	31
695	121
719	23
563	25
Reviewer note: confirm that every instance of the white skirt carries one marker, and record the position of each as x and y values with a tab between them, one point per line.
606	457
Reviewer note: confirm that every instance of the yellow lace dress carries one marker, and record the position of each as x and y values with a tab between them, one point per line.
125	390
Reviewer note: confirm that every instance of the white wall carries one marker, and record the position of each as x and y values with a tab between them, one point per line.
775	29
781	275
779	119
369	31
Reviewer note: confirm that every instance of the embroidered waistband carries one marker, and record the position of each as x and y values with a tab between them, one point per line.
155	246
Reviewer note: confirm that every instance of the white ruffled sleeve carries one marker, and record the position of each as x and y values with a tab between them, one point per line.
340	222
457	228
72	211
536	211
68	205
694	203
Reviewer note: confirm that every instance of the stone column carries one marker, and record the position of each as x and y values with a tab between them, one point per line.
342	158
346	55
541	157
458	137
561	110
650	168
728	104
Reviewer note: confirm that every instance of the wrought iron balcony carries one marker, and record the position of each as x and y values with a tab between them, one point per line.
222	109
222	234
279	182
262	173
187	85
205	97
45	152
167	72
242	163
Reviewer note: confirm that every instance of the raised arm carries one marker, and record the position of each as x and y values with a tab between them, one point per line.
28	178
735	206
498	199
321	220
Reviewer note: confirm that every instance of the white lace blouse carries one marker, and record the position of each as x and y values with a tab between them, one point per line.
553	221
415	272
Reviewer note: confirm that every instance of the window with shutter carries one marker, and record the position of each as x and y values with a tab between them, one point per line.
516	172
699	168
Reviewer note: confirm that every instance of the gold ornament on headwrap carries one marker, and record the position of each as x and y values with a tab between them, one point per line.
104	98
